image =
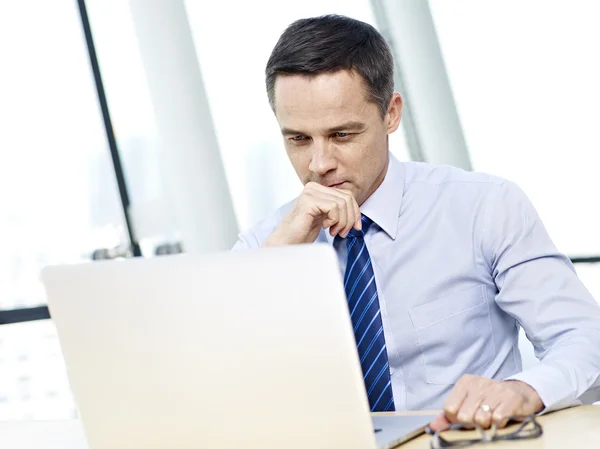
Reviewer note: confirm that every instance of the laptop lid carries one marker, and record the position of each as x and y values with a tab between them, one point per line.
252	349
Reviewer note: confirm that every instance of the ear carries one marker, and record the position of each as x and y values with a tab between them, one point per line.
394	113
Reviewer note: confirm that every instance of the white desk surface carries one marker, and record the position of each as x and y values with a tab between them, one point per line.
575	427
42	435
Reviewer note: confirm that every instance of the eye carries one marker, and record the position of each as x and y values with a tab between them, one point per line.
341	135
297	138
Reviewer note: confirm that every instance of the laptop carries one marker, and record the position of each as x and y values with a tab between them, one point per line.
248	349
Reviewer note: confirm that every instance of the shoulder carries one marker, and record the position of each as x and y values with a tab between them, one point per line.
447	175
459	191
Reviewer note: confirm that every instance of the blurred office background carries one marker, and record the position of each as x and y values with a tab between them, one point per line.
519	92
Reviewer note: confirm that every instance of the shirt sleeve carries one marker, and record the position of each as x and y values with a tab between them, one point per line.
246	241
538	286
255	237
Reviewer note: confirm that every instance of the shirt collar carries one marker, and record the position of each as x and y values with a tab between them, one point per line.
383	206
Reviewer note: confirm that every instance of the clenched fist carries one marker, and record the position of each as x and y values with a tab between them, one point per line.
476	399
318	207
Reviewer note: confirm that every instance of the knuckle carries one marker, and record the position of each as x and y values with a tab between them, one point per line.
512	396
499	386
482	381
500	415
449	407
483	397
464	416
481	419
465	380
347	195
496	385
306	193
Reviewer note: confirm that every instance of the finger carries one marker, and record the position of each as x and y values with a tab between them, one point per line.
350	214
455	400
342	222
511	404
479	392
483	417
358	223
440	423
353	212
493	397
351	207
470	405
328	208
334	205
501	424
321	190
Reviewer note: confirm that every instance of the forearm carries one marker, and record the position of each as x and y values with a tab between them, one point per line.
569	368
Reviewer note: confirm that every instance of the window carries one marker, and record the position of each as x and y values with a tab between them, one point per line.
233	50
133	121
59	200
589	273
527	91
525	79
59	196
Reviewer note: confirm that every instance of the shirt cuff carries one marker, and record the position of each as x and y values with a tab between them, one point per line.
550	385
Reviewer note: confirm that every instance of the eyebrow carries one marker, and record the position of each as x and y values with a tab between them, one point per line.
348	126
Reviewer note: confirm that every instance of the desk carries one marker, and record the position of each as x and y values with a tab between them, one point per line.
577	427
42	435
572	428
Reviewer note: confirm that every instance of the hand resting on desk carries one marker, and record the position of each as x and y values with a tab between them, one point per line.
476	399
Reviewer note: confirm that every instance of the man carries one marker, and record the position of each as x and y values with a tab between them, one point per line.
441	266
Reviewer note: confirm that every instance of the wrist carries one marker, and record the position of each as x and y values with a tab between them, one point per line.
530	394
277	238
273	240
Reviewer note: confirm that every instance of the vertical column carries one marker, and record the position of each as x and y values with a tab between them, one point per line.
433	129
189	154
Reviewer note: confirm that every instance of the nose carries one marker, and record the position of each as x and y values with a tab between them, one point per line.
322	160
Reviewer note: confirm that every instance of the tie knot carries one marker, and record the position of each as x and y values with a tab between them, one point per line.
366	223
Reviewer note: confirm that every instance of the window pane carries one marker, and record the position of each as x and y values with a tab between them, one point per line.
525	78
59	195
589	273
233	50
133	121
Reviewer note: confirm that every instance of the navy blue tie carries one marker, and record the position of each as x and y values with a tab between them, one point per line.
363	303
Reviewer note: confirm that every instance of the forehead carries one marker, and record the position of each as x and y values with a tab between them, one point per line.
322	100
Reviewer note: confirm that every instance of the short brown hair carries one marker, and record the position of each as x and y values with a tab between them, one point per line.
330	43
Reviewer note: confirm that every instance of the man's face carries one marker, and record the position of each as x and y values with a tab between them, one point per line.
333	134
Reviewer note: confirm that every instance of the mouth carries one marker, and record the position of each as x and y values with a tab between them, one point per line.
337	186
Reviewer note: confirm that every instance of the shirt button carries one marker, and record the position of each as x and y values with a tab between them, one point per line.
391	371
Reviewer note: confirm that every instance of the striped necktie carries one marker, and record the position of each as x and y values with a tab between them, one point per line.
363	303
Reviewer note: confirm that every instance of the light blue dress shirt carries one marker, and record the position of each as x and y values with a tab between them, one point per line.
461	261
